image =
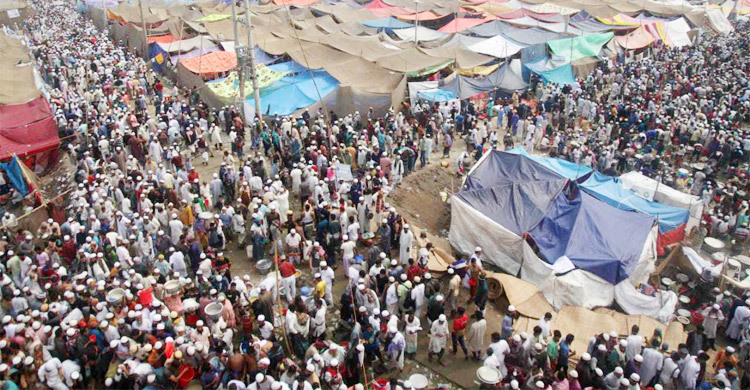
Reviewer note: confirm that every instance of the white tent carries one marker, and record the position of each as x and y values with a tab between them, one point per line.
473	226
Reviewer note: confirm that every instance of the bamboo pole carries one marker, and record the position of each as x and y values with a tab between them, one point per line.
355	308
278	297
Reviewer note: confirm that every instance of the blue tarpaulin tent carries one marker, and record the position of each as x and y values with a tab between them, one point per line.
288	67
609	190
15	175
437	95
564	168
515	206
294	92
499	168
596	237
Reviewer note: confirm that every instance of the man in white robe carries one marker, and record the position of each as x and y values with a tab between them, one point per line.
439	334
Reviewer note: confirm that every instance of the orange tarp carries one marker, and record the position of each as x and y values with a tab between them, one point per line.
220	61
169	38
637	39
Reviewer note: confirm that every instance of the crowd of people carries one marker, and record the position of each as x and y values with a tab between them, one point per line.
135	289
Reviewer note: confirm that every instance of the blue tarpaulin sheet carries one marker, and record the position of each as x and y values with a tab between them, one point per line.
438	95
562	75
15	175
288	67
609	190
386	23
596	237
499	168
564	168
292	93
516	206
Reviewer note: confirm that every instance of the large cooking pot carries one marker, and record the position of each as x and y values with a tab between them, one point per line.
213	310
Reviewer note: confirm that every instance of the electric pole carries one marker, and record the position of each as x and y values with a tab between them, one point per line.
251	57
240	63
145	31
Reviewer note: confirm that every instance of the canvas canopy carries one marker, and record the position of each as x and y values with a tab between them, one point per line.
16	72
422	34
186	45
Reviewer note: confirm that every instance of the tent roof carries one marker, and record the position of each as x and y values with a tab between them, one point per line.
595	237
610	190
217	62
515	206
579	47
461	24
499	168
18	81
386	23
564	168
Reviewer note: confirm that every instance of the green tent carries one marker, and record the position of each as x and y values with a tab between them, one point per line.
579	47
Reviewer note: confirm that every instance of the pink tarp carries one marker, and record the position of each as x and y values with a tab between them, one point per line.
379	8
461	24
425	15
27	129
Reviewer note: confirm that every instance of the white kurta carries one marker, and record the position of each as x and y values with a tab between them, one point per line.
406	241
438	336
653	360
475	336
412	333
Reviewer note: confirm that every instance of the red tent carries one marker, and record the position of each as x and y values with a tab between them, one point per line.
28	129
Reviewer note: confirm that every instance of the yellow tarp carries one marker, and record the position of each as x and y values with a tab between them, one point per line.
213	18
480	70
228	87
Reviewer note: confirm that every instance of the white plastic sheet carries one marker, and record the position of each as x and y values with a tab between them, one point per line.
660	307
470	228
699	264
497	46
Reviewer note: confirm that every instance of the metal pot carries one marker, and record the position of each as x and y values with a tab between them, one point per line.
213	310
172	287
264	266
115	296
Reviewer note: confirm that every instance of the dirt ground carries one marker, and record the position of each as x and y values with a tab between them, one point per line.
418	198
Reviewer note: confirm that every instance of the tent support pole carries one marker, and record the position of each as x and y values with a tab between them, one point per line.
145	30
240	69
251	58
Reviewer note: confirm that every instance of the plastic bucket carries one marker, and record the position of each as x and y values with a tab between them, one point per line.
145	297
186	376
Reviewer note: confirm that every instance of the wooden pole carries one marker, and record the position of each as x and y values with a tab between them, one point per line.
355	308
278	297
